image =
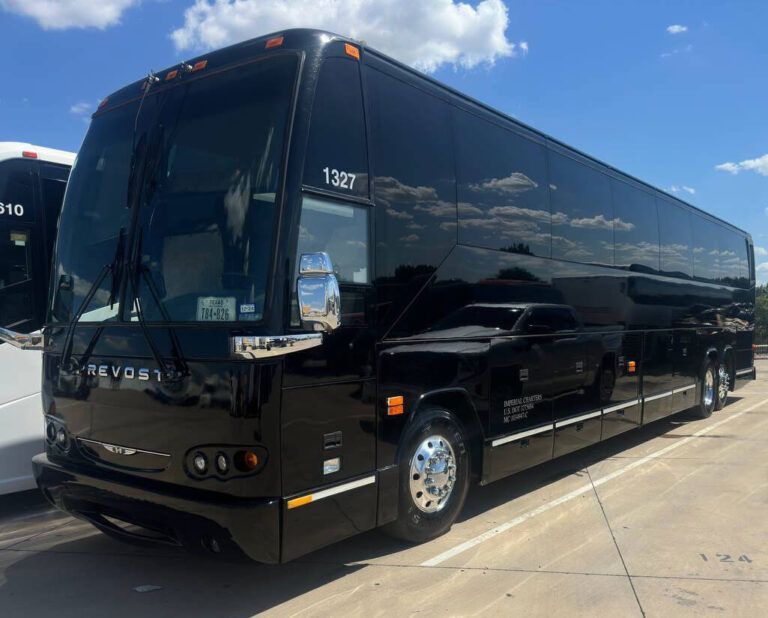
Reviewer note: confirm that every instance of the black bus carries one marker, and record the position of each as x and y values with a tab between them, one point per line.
302	291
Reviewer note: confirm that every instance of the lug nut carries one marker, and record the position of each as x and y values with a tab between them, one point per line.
200	462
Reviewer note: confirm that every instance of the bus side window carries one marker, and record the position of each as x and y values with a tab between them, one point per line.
53	181
336	153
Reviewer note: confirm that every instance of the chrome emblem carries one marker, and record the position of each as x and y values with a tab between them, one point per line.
119	450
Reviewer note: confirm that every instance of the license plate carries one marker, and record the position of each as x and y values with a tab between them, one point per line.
216	309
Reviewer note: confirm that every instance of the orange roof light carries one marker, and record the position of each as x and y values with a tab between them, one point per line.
199	65
29	154
103	102
171	74
352	51
275	42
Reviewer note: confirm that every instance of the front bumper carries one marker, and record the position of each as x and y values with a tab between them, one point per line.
205	523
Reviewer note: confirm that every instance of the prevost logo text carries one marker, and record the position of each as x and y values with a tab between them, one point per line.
118	371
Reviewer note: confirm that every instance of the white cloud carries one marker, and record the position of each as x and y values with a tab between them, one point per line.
678	189
677	29
80	109
761	251
425	33
759	165
63	14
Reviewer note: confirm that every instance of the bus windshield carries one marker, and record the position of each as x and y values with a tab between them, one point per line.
208	159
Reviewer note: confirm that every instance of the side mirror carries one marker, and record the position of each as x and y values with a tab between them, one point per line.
318	293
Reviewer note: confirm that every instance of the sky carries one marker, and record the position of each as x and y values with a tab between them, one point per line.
673	92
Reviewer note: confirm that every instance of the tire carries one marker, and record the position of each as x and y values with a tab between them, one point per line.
708	393
436	436
723	385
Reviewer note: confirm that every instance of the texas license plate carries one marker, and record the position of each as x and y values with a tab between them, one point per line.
216	309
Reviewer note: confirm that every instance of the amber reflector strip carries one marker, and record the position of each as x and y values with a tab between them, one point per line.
296	502
276	42
352	51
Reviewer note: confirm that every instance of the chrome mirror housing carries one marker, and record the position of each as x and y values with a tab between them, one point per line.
32	341
318	293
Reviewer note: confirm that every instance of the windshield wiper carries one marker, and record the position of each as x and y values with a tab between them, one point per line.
139	271
114	268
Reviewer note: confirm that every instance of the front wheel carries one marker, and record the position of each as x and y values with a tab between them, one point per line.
708	395
434	477
723	384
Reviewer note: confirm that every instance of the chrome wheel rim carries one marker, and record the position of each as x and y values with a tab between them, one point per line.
709	387
722	383
433	474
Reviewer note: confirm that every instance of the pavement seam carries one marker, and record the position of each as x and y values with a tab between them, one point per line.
37	534
615	543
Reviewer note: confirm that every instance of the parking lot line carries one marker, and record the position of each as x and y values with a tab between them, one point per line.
500	529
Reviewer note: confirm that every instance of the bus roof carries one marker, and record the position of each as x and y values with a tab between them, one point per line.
22	150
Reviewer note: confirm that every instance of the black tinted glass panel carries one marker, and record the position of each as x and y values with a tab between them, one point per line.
635	228
336	154
675	240
502	188
734	263
582	212
16	196
706	250
15	256
552	319
414	183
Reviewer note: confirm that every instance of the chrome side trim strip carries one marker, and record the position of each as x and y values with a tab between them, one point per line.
742	372
682	389
266	347
578	419
659	396
523	434
621	406
327	493
121	450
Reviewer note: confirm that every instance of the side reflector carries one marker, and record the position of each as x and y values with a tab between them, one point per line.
352	51
171	75
29	154
632	366
199	65
297	502
395	405
276	42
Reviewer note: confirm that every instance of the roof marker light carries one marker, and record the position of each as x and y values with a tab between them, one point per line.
171	74
199	65
352	51
103	102
29	154
275	42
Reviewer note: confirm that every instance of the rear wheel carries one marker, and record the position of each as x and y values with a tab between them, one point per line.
434	477
708	396
723	384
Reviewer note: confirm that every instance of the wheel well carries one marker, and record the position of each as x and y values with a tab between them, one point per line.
458	402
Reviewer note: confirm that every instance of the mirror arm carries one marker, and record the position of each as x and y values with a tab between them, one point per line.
32	341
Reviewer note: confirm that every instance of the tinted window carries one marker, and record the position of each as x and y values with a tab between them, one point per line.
16	196
336	155
675	239
635	228
53	180
15	256
552	318
502	188
734	263
342	231
414	183
706	252
582	213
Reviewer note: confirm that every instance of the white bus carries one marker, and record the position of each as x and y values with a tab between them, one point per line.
32	183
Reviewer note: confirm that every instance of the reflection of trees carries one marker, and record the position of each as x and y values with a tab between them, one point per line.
518	247
517	273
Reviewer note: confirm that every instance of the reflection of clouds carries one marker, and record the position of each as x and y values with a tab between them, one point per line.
516	182
641	253
415	226
410	238
600	222
515	211
236	201
438	209
398	214
389	189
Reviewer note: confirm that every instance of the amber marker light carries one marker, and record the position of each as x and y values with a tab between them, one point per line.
199	65
29	154
632	366
352	51
171	75
275	42
395	405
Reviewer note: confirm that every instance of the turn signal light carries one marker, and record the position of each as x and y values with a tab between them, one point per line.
276	42
247	460
632	366
395	405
